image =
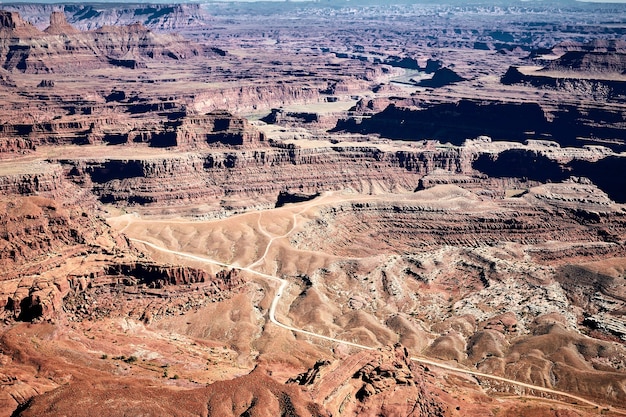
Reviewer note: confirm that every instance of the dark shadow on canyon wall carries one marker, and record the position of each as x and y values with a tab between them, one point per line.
518	122
454	122
606	174
521	163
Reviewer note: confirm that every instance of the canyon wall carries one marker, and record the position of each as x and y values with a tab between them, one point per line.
241	177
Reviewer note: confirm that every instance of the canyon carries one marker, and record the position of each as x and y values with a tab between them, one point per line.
243	209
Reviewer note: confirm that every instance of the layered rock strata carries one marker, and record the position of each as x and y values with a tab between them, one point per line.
62	48
208	178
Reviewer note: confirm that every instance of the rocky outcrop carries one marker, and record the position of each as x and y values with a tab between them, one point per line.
23	137
39	240
33	228
247	98
521	163
301	119
176	129
591	69
588	85
285	197
382	382
594	45
533	165
59	25
569	125
39	177
217	128
145	291
599	291
449	215
159	276
431	65
12	25
57	259
589	62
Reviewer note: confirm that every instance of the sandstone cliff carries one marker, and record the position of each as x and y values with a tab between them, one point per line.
12	25
261	174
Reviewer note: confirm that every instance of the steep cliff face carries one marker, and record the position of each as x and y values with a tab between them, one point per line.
589	62
217	128
593	84
57	260
249	98
145	291
302	119
12	25
24	137
171	128
40	240
533	165
40	177
261	173
594	45
158	276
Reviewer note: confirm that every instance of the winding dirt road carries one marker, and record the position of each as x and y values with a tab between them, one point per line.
283	284
282	287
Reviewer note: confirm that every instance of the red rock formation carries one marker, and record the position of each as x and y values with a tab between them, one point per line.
27	50
262	173
42	245
12	25
59	25
384	382
526	220
34	227
31	179
37	236
158	276
217	128
158	17
261	95
178	129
